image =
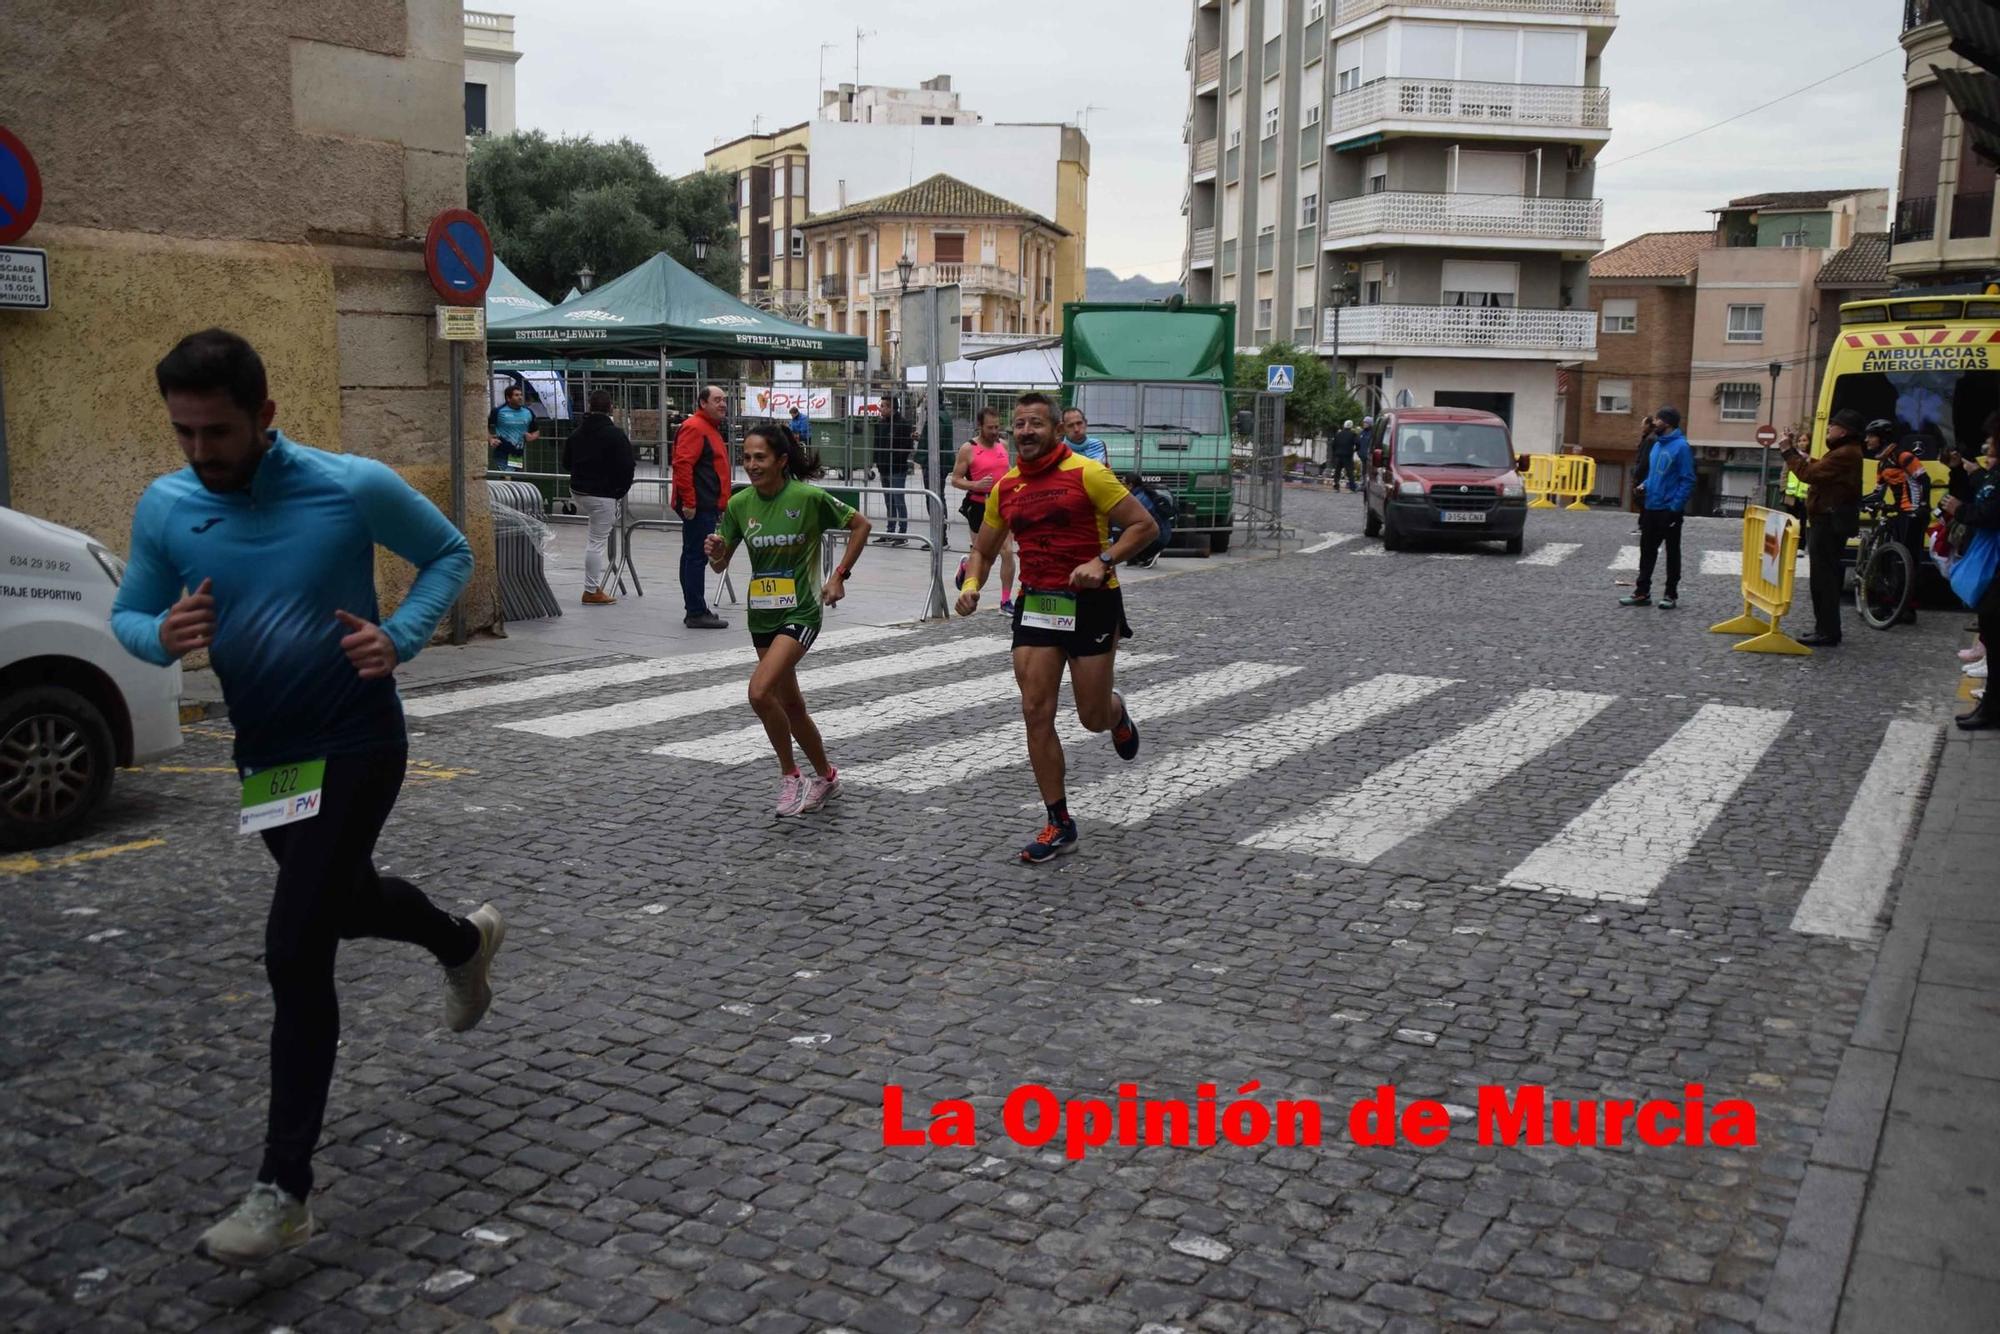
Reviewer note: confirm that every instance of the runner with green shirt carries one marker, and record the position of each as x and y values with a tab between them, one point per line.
782	517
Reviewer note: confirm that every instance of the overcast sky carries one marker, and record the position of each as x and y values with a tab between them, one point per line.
679	78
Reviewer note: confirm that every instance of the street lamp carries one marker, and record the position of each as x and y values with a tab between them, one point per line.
700	247
584	278
904	266
1764	455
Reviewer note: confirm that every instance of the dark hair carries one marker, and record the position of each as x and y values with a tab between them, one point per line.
801	464
513	389
600	400
1086	421
215	359
1670	416
989	411
1034	396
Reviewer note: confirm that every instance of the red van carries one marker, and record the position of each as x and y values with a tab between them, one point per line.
1444	474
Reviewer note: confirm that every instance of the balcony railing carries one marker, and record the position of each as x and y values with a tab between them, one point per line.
1348	10
1530	104
1201	248
1204	155
972	277
1472	215
1971	216
833	286
1208	67
1916	219
1470	328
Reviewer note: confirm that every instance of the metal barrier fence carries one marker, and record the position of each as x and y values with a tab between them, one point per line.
1218	451
1550	476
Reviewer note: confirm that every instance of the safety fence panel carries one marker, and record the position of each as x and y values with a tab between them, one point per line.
1770	569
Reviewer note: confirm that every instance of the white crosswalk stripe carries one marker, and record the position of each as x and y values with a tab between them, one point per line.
687	703
1855	876
1326	543
1421	790
1372	549
1183	774
966	757
1551	553
535	689
1625	843
1722	563
748	744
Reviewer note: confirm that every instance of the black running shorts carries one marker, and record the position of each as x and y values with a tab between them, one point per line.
1100	623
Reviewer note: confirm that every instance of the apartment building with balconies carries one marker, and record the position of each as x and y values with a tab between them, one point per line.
1405	186
1003	258
773	179
1945	235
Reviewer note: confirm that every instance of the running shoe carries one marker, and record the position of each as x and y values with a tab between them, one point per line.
267	1222
1976	670
1973	654
1668	604
1052	842
1125	736
791	795
1635	600
468	988
1007	606
819	790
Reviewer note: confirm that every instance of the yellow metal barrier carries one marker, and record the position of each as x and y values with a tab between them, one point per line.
1576	477
1770	564
1541	480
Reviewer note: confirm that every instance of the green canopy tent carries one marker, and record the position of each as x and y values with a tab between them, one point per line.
507	296
663	308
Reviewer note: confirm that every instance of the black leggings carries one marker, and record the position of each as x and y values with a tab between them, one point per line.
328	892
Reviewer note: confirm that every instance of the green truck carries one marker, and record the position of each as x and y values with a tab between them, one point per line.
1154	380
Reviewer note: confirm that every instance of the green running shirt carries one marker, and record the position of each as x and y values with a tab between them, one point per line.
783	535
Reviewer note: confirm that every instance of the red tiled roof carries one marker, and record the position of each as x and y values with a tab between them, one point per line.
1653	255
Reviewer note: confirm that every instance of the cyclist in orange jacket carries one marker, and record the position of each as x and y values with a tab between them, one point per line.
1904	491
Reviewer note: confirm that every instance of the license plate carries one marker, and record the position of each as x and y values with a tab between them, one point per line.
1463	516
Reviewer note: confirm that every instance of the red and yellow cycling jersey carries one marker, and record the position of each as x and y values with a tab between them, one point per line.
1059	510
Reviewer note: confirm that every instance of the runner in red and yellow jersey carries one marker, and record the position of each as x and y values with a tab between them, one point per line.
1060	508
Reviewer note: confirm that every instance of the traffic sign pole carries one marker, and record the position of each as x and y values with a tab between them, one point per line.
458	256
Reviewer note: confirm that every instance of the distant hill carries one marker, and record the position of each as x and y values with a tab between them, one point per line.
1104	285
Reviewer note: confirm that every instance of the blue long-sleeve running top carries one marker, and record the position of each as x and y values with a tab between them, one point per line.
283	556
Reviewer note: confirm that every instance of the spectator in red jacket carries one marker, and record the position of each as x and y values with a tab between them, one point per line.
701	489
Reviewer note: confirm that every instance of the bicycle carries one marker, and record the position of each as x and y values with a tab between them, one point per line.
1885	578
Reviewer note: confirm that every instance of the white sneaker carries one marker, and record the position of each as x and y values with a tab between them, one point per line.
468	988
267	1222
1976	670
818	790
791	795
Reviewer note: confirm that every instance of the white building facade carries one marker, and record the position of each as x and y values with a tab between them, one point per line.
490	57
1406	188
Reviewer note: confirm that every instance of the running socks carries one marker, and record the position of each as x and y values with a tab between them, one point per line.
1059	811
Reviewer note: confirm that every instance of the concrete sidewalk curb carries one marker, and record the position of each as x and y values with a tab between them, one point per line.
1809	1279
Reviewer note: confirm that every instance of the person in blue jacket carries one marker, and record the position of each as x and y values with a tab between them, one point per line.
262	552
1668	487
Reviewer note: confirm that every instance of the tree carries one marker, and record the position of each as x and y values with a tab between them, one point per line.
554	206
1314	407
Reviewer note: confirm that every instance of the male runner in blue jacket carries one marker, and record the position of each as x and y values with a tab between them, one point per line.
262	551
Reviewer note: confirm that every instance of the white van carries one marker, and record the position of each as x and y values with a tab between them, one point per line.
74	704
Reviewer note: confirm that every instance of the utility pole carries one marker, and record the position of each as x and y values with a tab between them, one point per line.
824	47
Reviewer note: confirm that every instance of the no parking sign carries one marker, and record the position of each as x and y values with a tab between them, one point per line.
458	255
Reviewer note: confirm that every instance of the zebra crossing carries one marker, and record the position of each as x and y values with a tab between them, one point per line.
904	717
1713	562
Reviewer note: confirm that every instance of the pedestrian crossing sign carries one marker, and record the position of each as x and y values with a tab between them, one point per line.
1278	379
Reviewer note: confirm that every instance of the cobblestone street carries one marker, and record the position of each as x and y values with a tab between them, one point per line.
1438	819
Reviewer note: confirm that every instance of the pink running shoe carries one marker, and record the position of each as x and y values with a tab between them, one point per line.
791	795
819	790
1977	653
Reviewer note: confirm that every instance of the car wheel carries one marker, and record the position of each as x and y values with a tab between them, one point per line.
1392	536
1371	526
1219	542
1514	545
56	758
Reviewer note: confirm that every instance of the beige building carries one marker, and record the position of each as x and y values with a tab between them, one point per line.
1945	236
773	173
1002	256
490	57
931	102
279	184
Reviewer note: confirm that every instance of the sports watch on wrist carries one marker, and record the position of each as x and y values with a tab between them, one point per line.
1110	561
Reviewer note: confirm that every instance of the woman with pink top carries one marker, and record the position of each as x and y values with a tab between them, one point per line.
983	461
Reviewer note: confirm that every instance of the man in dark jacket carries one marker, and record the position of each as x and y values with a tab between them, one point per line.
1833	515
1975	502
600	460
894	443
1642	459
1345	442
